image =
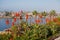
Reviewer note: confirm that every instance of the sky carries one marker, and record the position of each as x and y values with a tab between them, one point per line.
30	5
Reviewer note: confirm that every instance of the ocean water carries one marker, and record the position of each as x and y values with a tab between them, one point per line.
3	25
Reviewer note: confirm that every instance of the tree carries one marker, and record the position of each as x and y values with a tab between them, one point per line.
44	13
34	12
7	13
52	12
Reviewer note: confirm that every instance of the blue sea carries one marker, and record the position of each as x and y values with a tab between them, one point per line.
3	25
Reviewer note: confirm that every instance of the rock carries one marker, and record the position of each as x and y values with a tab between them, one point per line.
57	38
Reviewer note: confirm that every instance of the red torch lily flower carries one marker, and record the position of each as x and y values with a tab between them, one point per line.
27	16
20	17
17	14
40	16
14	19
55	19
7	22
37	21
47	20
12	23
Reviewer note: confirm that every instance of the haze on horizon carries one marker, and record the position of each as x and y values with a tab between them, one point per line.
30	5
